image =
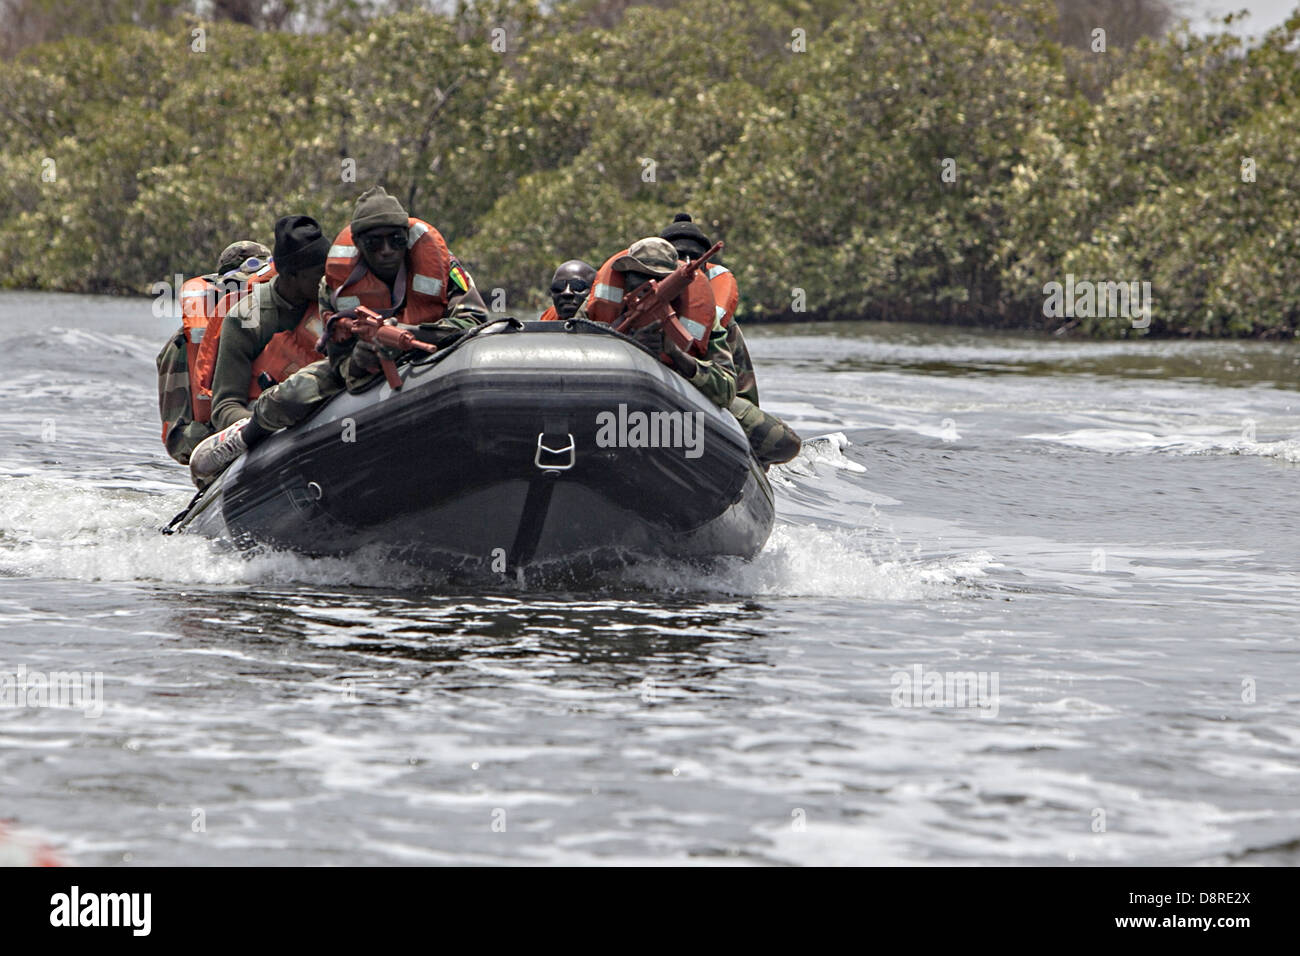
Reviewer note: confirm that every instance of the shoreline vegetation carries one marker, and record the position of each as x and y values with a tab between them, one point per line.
942	161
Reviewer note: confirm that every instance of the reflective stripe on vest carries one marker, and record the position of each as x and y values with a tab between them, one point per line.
714	271
697	330
608	292
418	293
720	312
426	284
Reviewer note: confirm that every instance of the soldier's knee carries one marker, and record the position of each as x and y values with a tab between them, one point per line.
772	440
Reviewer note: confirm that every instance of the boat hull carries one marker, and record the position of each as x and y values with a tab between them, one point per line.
518	449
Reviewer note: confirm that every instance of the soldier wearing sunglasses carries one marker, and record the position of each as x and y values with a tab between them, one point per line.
401	267
569	287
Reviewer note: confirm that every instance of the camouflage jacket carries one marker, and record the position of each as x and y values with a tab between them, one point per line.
746	383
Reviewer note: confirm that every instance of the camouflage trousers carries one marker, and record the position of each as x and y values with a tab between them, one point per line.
746	384
772	440
298	395
182	441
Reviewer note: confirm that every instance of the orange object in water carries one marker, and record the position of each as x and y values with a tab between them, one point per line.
19	849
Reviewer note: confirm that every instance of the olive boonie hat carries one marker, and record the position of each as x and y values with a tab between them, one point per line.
651	256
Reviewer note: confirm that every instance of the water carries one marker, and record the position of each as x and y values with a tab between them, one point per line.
1105	533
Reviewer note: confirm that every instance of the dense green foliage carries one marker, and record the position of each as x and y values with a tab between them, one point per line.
812	137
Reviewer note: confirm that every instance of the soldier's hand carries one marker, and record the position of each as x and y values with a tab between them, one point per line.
682	361
365	357
650	336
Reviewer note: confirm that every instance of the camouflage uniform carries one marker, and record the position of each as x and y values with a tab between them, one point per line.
746	383
301	393
772	440
715	374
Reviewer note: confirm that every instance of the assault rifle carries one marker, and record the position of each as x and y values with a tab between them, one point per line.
368	325
652	302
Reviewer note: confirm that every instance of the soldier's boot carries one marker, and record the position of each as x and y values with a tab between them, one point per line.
215	453
772	440
278	407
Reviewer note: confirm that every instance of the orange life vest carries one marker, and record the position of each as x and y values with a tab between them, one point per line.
283	355
427	270
198	305
695	308
550	315
202	301
725	291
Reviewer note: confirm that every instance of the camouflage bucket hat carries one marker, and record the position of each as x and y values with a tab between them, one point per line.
651	256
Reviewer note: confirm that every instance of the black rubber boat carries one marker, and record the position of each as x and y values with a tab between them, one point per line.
549	447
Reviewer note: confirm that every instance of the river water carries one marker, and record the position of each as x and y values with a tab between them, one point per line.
1101	535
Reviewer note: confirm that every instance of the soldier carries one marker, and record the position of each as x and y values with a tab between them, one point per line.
569	288
267	373
653	258
183	406
691	243
279	314
772	440
387	261
400	267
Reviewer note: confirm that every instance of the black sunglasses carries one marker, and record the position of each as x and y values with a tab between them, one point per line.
576	285
373	241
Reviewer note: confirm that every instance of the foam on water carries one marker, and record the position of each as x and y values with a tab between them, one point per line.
56	528
825	450
51	528
801	561
1116	440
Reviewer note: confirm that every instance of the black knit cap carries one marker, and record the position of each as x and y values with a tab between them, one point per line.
684	232
299	244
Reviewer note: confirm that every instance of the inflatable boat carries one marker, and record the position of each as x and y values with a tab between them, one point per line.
525	447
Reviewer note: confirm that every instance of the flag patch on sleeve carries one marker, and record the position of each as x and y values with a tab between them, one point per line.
460	277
